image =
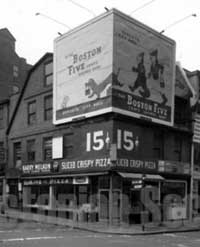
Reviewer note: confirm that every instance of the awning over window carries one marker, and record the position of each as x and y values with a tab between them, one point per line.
139	176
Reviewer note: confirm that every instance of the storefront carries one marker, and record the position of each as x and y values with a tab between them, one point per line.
111	194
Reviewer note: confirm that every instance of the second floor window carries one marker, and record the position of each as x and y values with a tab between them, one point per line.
32	112
31	150
17	154
48	72
68	145
48	107
47	148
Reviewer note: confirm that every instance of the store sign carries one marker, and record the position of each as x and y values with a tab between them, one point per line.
52	181
84	165
37	168
137	184
136	165
81	180
173	167
120	65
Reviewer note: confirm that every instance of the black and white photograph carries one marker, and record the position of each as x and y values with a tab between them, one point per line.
99	123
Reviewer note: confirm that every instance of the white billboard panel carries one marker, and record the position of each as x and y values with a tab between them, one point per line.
83	71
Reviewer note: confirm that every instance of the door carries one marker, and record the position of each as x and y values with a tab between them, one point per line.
136	206
103	204
116	205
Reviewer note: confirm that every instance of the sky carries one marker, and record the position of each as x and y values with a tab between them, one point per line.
35	34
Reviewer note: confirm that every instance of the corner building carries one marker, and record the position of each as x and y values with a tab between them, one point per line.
113	134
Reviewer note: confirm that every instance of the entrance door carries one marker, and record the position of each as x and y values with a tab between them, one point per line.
103	204
136	206
116	205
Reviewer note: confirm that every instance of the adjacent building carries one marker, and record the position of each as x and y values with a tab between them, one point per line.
13	70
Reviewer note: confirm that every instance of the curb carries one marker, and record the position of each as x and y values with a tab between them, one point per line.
82	228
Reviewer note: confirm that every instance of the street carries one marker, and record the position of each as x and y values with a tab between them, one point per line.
31	234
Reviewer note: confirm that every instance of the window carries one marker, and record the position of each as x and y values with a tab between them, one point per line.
177	148
68	145
1	116
31	150
48	107
47	148
39	195
48	71
17	154
2	152
32	112
15	71
158	143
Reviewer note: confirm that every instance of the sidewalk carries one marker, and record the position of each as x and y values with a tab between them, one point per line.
14	216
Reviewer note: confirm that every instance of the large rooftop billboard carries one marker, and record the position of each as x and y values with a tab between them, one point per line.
114	64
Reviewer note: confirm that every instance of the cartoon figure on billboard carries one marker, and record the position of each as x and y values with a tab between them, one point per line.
156	69
65	101
157	74
94	89
141	80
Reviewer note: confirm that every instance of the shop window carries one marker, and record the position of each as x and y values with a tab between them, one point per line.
32	112
40	195
158	143
48	74
104	182
47	148
82	194
64	195
17	154
48	110
31	150
173	188
68	145
2	152
177	148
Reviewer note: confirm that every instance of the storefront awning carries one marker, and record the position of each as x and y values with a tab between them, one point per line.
67	175
130	175
139	176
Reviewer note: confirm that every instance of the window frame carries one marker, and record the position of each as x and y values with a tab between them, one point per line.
31	114
16	154
46	148
31	152
48	109
47	75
